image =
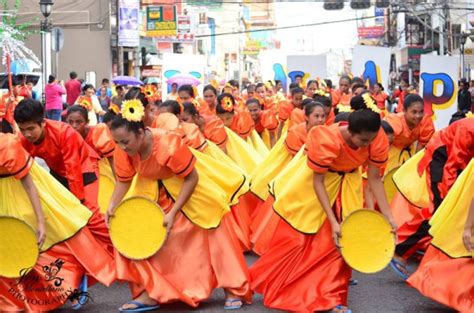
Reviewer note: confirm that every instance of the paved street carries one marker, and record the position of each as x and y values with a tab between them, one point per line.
380	293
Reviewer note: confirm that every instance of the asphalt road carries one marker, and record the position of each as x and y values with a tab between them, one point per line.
383	292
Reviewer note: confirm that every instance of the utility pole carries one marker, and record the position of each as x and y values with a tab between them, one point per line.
239	56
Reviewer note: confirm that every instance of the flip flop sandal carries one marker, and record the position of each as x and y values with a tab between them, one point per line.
233	306
353	282
83	297
341	307
399	267
140	307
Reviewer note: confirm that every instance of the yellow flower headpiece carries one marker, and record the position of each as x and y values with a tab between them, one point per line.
227	104
114	108
133	110
322	93
151	92
85	102
370	103
469	115
343	108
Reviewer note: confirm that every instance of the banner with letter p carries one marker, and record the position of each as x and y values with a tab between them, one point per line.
439	77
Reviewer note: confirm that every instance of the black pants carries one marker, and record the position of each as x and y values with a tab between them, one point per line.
440	156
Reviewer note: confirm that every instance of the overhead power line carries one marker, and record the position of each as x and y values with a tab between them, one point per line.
287	27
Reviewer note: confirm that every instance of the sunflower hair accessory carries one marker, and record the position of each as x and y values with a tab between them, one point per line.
370	103
114	108
227	104
85	101
469	115
151	92
133	110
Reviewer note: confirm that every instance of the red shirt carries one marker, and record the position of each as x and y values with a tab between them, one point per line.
67	155
73	90
458	139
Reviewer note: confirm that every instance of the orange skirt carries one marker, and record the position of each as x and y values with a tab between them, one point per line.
192	262
96	223
44	289
263	226
242	214
446	280
301	273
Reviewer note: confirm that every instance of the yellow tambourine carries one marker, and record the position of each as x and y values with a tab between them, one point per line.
19	249
367	243
136	229
106	189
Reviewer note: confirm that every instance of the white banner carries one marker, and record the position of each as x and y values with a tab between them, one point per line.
183	69
439	77
128	33
308	66
273	66
372	64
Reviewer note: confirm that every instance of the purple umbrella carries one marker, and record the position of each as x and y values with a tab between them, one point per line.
183	79
127	80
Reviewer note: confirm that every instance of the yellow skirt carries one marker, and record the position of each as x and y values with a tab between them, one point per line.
106	184
271	166
297	203
411	185
266	139
447	224
257	143
219	187
64	214
242	153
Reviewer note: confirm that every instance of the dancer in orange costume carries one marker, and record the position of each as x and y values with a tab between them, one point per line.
265	121
379	96
239	122
311	87
70	160
343	94
264	220
306	238
8	102
210	97
446	272
188	93
446	155
60	223
284	111
212	257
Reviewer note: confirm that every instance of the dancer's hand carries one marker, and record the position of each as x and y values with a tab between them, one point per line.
110	212
41	233
336	233
168	221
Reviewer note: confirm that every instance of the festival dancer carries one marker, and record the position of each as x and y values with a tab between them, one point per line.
29	193
304	246
212	257
285	110
343	94
70	160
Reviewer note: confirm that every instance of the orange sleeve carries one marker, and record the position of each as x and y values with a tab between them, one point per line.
322	148
269	120
177	154
284	111
459	155
70	150
167	121
335	97
395	123
297	116
194	138
103	141
124	169
243	124
378	149
295	139
215	131
14	157
426	130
